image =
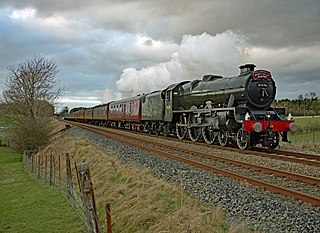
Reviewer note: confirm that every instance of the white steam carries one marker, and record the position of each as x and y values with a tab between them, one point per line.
108	95
196	56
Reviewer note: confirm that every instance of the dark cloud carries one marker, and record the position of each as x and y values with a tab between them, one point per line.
267	23
94	42
294	84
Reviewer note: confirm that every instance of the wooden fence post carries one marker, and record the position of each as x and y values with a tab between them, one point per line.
69	177
89	204
26	159
108	217
45	169
60	181
32	162
50	170
39	167
54	170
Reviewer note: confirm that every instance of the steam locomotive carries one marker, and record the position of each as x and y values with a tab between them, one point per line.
228	110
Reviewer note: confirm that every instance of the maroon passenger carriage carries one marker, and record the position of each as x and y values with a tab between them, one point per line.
125	113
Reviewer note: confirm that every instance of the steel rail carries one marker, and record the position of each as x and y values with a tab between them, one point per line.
299	177
274	154
271	187
290	153
290	156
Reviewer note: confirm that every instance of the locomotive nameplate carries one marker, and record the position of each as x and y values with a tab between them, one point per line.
261	74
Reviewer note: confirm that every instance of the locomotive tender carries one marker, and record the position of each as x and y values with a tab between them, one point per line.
233	109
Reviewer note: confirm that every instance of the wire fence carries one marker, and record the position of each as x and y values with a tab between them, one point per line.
57	172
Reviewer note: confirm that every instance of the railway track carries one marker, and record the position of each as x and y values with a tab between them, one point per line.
290	156
206	162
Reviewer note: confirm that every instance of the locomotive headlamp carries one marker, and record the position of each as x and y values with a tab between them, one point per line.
268	115
257	127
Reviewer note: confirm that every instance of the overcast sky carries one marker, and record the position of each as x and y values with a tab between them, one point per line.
106	50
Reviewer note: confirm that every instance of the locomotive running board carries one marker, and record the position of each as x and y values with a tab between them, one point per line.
193	125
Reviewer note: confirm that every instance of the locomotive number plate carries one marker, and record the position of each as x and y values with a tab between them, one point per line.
264	85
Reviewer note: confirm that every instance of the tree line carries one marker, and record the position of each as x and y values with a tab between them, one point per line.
305	105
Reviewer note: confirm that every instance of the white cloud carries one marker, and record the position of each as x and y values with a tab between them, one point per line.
195	56
24	14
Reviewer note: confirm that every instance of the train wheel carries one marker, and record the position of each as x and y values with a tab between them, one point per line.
150	129
165	130
243	139
223	137
194	133
273	140
181	130
156	129
209	135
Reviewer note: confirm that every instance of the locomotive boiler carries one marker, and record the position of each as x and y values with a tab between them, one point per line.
248	89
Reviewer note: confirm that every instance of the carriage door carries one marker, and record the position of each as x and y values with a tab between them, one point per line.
168	106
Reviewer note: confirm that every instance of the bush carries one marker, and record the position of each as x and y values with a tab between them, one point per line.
30	133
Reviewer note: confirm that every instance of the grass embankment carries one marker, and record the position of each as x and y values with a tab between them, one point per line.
139	201
30	206
308	134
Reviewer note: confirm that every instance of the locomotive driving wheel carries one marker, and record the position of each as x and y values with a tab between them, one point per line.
182	130
194	132
223	137
243	139
209	135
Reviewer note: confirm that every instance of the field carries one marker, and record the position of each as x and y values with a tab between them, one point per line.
305	122
308	134
30	206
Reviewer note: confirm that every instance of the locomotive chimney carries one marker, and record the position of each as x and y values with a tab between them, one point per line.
246	68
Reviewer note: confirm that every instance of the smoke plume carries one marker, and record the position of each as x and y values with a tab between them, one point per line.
196	56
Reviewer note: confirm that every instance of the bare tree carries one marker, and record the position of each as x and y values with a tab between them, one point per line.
30	85
31	90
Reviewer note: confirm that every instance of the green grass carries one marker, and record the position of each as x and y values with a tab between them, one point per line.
306	121
307	136
30	206
308	130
